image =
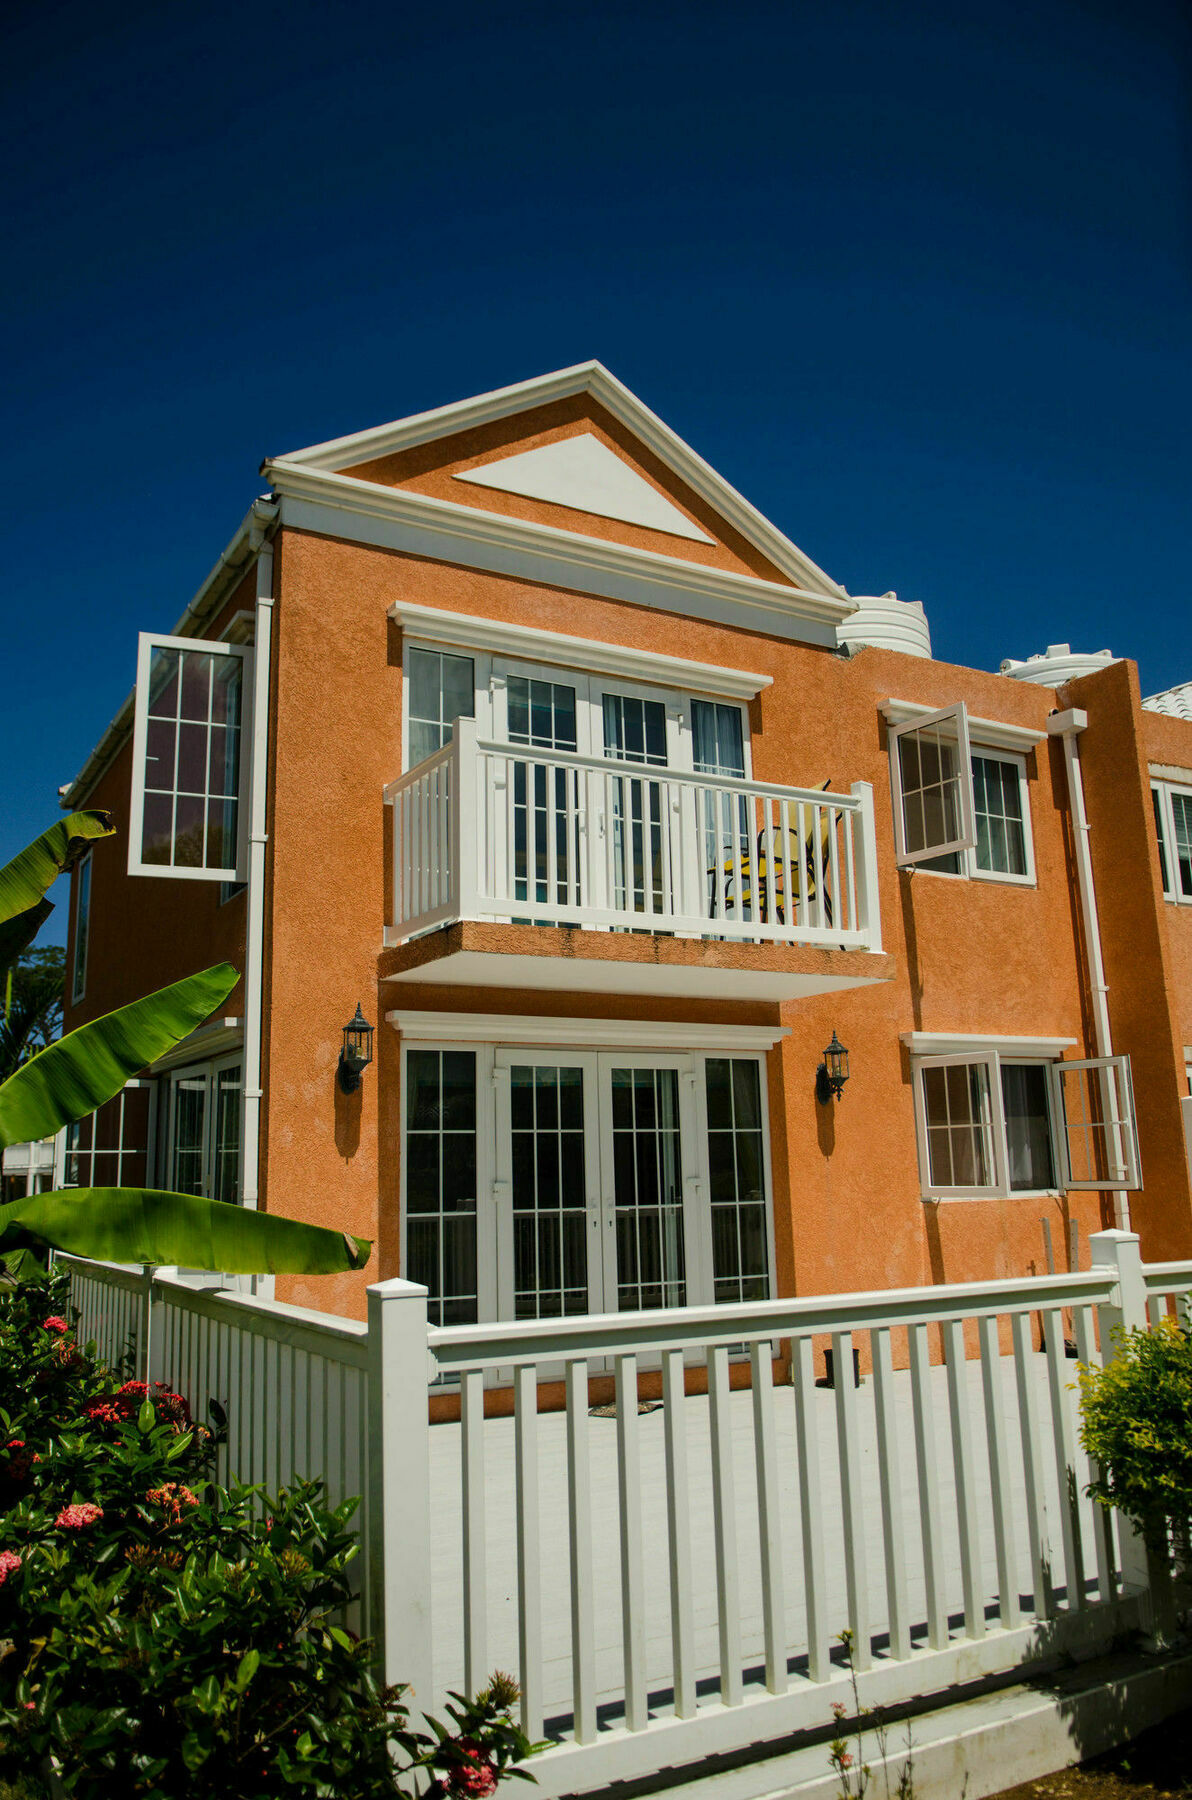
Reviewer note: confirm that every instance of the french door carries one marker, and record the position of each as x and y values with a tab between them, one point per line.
597	1183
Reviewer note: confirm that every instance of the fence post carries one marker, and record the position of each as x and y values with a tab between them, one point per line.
399	1550
465	826
1142	1573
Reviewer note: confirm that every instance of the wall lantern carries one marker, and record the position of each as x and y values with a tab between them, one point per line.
356	1054
832	1073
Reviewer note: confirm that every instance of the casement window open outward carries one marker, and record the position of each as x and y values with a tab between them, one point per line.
991	1125
188	816
932	786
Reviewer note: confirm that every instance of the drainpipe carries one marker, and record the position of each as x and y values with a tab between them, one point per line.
264	516
1068	725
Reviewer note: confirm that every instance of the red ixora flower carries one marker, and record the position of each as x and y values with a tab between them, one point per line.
54	1323
121	1408
20	1459
10	1562
476	1776
172	1497
74	1518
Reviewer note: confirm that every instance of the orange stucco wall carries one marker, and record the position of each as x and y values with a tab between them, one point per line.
963	957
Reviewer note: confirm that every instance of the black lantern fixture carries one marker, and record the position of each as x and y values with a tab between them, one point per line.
832	1073
356	1054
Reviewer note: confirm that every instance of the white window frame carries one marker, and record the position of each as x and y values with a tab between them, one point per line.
955	717
210	1071
148	642
78	978
1117	1100
1117	1086
1169	862
120	1151
492	1108
970	742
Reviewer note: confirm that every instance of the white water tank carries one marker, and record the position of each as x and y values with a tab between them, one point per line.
884	622
1057	664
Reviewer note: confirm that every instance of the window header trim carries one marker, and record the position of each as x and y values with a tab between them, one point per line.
469	632
983	733
618	1034
951	1043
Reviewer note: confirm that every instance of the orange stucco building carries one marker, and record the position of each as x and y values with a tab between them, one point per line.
515	725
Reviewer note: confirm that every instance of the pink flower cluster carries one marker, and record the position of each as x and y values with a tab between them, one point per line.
54	1323
476	1777
121	1408
20	1460
172	1497
74	1518
10	1562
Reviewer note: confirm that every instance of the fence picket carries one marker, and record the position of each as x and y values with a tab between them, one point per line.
929	1494
1009	1612
475	1570
678	1525
890	1484
579	1497
852	1502
769	1516
966	1496
725	1527
529	1598
1064	1445
810	1508
633	1603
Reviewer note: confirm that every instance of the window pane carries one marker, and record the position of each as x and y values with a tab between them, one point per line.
82	927
997	797
1028	1126
226	1172
442	688
956	1105
549	1194
930	789
718	740
190	813
1181	807
740	1251
1157	804
440	1156
189	1125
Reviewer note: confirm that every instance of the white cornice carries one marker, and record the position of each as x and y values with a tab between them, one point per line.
621	1034
591	378
958	1043
360	511
211	1039
993	732
468	632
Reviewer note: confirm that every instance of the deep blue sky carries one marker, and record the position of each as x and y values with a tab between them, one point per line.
915	278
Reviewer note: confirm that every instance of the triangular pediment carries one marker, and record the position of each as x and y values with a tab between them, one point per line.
584	474
575	455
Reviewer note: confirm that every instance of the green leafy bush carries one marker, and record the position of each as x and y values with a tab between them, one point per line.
1137	1422
174	1637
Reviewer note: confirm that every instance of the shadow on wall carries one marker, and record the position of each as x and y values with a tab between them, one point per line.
347	1122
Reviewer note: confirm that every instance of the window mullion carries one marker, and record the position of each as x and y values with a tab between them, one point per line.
1001	1149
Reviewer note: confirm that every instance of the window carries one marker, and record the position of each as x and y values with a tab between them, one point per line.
958	809
441	1181
736	1159
1173	828
78	982
442	689
992	1124
111	1147
203	1131
187	815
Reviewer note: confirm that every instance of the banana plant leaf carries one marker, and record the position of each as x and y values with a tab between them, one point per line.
141	1225
17	934
24	880
69	1079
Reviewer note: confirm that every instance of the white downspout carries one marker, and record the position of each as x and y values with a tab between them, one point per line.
264	516
1069	725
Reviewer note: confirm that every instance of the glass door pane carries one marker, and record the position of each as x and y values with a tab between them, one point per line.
635	732
189	1131
226	1158
647	1189
545	798
548	1190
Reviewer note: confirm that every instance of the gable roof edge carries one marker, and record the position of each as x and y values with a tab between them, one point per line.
592	378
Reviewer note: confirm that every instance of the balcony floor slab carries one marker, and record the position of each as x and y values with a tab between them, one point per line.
470	954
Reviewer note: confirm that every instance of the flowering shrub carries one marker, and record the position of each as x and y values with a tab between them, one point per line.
160	1635
1137	1423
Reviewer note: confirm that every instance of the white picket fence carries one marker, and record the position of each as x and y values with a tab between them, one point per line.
670	1585
494	831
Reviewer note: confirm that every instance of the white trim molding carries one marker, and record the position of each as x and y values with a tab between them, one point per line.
621	1034
419	525
993	732
582	378
961	1043
214	1038
466	631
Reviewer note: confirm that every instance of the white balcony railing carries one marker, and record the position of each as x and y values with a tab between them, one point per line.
506	832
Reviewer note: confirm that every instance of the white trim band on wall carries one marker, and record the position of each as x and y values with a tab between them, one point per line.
466	631
621	1034
954	1043
991	732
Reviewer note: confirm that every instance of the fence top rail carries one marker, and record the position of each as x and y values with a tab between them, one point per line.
340	1340
611	765
393	788
1168	1277
459	1347
130	1276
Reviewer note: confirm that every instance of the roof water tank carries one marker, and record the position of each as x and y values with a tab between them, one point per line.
884	622
1057	664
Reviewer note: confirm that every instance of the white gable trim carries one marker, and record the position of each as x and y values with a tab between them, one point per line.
465	631
990	732
343	506
594	379
621	1034
584	474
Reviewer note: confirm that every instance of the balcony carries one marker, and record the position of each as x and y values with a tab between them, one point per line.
613	852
